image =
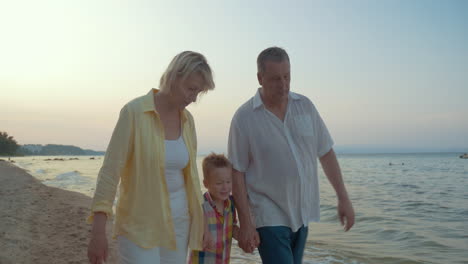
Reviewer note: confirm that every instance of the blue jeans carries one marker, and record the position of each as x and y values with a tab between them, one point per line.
280	245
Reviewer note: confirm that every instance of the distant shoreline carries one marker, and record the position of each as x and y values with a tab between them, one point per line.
402	153
456	153
55	149
58	155
382	153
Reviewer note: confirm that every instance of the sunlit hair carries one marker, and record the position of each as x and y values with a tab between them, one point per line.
275	54
182	66
214	161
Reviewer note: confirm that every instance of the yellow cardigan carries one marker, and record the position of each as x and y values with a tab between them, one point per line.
136	157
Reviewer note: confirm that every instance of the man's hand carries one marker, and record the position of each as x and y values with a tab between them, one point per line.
97	249
346	213
248	235
248	238
332	170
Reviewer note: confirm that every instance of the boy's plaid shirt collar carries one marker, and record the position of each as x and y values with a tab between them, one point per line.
227	205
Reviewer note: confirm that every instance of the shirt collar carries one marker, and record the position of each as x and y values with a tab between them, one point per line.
227	202
257	100
148	104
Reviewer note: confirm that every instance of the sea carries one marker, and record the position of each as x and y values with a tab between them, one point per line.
410	208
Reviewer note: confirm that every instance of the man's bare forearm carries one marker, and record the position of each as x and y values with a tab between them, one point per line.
333	172
239	192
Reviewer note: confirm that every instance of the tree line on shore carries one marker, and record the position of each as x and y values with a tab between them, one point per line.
8	144
10	147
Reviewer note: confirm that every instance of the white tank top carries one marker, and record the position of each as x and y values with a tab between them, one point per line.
177	158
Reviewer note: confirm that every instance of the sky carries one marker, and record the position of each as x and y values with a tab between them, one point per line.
384	75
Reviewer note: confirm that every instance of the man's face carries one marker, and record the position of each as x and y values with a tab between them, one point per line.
275	80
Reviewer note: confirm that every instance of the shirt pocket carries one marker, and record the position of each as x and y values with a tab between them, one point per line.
303	125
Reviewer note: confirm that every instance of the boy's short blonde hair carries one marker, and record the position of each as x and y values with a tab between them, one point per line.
214	161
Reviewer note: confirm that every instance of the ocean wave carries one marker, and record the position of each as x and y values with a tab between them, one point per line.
417	204
68	176
371	219
316	254
411	186
68	179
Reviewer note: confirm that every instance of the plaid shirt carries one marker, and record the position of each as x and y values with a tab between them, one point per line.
220	227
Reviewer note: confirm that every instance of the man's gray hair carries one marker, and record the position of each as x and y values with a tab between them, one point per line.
275	54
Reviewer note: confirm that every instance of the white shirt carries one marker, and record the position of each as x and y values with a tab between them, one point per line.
280	160
177	159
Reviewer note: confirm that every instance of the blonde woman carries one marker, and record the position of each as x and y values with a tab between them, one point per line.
152	153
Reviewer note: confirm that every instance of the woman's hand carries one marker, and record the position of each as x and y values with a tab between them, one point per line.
98	248
208	241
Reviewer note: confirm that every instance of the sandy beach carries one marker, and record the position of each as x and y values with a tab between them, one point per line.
41	224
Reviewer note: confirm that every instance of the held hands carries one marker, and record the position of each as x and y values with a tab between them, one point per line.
248	238
346	213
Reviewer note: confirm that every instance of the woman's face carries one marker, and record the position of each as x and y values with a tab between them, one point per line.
185	92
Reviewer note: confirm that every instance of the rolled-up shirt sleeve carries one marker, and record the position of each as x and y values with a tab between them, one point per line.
117	155
238	146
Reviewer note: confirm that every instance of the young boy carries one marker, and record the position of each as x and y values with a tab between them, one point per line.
219	211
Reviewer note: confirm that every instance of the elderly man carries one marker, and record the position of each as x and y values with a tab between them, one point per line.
275	141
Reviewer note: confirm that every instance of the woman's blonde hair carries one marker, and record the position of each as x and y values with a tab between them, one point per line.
182	66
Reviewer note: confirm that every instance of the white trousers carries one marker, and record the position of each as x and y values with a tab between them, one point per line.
130	253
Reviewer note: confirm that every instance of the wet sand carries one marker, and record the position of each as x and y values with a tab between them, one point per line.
41	224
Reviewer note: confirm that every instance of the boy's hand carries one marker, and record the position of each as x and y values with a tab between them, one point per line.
208	242
235	232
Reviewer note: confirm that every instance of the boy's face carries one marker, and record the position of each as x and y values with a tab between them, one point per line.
219	183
